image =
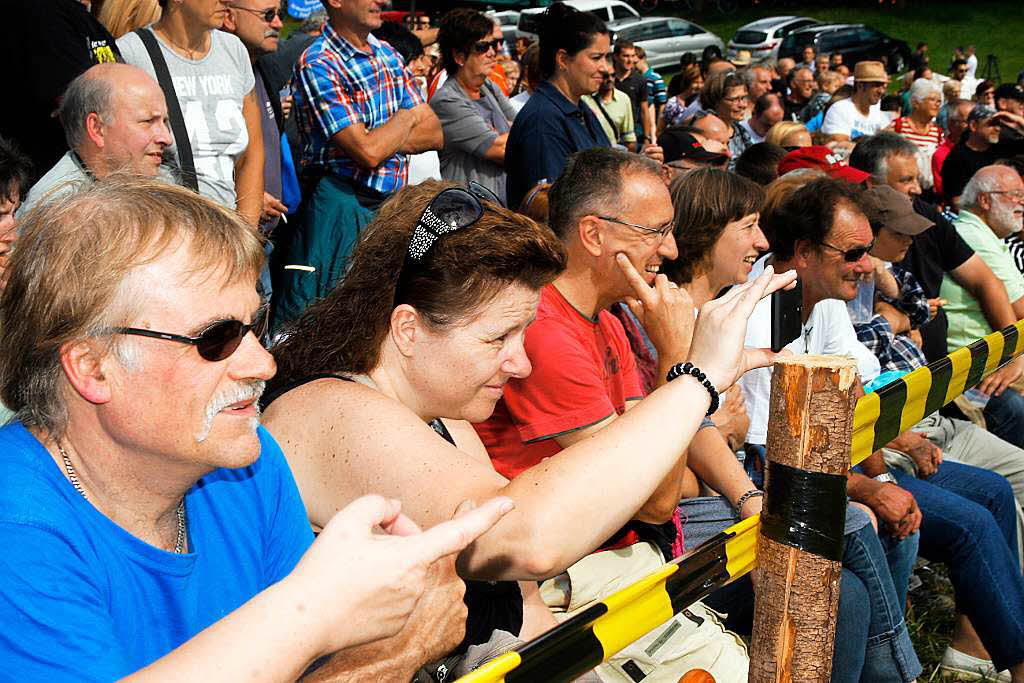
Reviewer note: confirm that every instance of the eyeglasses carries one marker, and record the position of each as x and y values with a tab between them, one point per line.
1015	195
662	233
482	46
734	99
851	255
216	342
267	15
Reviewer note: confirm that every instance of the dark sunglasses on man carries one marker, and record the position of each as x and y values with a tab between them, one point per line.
850	255
481	47
267	15
216	342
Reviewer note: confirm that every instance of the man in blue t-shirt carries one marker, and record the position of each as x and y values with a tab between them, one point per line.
150	520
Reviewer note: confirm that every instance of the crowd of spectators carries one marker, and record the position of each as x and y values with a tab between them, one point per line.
509	304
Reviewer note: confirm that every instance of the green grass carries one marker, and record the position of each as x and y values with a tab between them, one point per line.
993	27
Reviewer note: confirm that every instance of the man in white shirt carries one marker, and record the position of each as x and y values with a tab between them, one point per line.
861	114
821	230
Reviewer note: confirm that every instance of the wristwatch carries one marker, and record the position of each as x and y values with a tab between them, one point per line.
885	478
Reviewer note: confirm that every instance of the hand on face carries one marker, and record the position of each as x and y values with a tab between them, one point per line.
664	309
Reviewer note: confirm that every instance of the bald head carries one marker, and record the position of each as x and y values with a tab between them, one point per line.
719	67
115	117
715	134
785	65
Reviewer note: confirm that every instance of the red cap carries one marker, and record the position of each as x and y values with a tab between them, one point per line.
822	159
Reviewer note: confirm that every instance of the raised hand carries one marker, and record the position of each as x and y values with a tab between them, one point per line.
717	346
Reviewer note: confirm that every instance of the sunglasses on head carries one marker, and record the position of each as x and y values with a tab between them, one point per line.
267	15
450	210
851	255
482	46
216	342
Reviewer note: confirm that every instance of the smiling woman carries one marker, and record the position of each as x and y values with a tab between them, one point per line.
554	123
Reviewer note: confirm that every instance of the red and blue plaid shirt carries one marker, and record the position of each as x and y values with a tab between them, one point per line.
336	86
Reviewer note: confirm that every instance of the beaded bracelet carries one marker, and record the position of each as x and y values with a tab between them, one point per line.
752	493
680	369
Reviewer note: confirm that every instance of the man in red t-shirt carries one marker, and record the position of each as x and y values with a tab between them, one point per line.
584	375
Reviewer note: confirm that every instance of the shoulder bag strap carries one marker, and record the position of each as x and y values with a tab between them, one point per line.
618	134
163	77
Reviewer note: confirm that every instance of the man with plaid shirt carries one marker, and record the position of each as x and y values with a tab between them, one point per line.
359	116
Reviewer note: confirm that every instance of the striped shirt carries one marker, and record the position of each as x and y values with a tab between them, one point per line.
337	85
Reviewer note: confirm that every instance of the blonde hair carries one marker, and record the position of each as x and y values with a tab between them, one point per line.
69	278
124	16
782	130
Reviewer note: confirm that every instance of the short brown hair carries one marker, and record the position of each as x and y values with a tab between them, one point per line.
464	269
705	201
73	259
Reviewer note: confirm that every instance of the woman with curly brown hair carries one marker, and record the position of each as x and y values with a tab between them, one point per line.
378	383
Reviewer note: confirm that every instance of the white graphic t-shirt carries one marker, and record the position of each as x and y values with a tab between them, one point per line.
843	118
210	92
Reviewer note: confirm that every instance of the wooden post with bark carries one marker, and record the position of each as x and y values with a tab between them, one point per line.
810	430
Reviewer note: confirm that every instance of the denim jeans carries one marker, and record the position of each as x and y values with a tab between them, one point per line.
871	641
1004	417
969	523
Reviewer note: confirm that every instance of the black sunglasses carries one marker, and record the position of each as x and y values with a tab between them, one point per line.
216	342
450	210
267	15
482	46
851	255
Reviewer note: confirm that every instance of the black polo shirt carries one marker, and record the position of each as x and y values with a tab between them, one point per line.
934	253
546	132
44	45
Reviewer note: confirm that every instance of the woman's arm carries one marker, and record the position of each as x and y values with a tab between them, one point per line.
249	166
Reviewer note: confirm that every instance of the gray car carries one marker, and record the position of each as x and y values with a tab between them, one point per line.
665	39
763	37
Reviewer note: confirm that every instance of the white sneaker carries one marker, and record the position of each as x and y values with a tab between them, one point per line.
968	668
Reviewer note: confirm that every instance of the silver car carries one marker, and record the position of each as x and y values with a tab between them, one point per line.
665	39
763	37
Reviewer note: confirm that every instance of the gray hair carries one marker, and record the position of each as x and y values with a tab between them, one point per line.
984	180
872	153
922	88
749	74
314	22
85	95
592	183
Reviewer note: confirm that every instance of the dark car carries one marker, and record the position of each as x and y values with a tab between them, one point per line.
856	42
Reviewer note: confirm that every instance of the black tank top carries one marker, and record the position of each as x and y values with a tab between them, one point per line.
490	604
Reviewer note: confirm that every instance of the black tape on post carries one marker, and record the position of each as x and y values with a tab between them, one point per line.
805	510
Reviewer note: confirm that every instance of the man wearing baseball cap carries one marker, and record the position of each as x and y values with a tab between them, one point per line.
821	159
980	145
861	114
684	150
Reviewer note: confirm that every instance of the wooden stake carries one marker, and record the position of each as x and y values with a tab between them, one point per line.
810	427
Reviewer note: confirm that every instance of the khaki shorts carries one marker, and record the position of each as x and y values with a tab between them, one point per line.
693	639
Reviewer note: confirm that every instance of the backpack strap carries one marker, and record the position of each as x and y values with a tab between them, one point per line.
177	120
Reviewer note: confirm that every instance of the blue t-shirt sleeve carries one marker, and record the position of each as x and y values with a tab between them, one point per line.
56	624
287	529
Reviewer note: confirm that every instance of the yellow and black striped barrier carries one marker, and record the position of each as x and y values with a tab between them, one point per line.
595	634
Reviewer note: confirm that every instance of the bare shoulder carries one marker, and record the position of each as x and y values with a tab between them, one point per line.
344	440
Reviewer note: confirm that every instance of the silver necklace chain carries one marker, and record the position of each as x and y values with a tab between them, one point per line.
179	543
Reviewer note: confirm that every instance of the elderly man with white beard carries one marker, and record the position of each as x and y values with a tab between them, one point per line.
990	210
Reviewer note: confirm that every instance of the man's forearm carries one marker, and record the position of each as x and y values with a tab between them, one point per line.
425	135
391	659
371	148
249	185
